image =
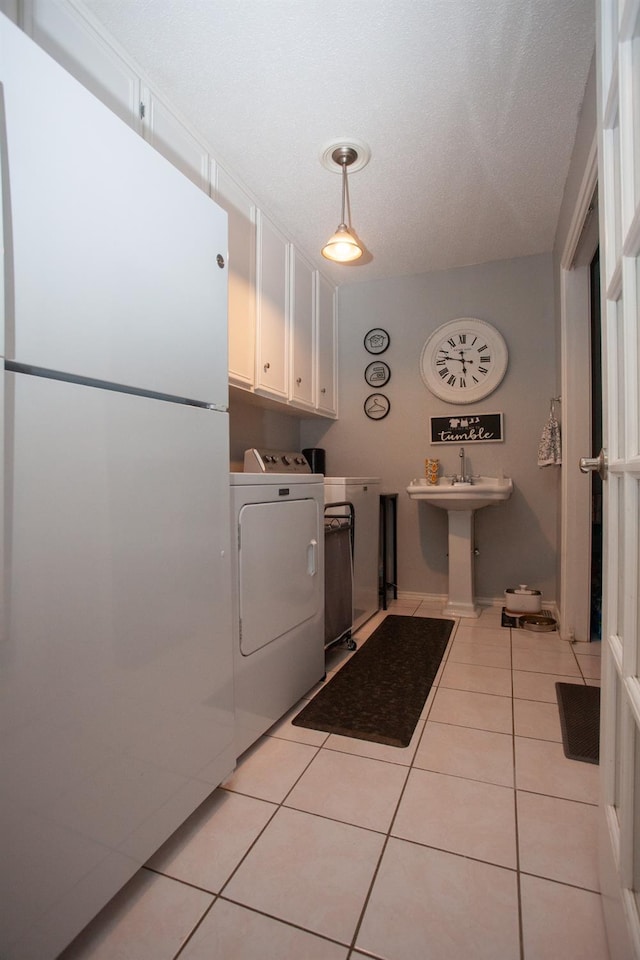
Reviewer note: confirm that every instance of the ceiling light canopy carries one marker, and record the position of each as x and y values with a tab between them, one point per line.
342	246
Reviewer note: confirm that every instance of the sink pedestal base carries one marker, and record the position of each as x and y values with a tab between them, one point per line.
461	601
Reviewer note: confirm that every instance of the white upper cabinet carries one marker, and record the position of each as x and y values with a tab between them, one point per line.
326	349
72	41
242	277
272	333
302	332
170	137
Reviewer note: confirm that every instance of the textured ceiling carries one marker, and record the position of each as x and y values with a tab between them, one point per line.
469	107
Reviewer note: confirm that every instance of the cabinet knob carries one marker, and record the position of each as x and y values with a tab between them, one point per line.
323	390
266	367
299	380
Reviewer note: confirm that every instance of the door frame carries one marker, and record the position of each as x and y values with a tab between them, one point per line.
575	365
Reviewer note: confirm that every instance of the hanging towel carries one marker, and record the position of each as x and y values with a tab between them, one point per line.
550	446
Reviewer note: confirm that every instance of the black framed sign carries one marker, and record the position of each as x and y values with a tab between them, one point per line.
377	406
376	340
480	428
377	374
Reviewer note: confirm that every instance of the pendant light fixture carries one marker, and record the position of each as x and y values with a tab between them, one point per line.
343	247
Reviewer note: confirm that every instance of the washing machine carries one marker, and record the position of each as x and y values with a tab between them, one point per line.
364	494
277	540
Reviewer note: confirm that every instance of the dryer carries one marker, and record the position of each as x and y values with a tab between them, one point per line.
277	542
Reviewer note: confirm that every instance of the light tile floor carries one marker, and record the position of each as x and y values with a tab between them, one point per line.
477	840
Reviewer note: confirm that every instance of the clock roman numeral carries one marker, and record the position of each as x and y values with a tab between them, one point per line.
463	382
483	347
482	370
441	362
451	381
451	341
462	338
486	358
444	373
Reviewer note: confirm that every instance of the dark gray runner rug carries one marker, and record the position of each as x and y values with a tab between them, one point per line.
379	693
579	708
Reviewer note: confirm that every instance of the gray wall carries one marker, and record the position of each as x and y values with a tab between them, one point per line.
517	540
254	422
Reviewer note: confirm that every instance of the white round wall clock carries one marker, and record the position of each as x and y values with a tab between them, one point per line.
464	360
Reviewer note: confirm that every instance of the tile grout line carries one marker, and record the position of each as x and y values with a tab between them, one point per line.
410	767
515	808
352	947
279	806
219	894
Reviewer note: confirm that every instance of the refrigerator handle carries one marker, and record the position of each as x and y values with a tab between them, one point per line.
312	558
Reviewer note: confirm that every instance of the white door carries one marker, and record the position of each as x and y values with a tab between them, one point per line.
272	335
279	581
302	332
326	376
116	688
619	178
242	277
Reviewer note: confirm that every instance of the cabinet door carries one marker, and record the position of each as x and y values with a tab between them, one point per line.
272	340
170	137
71	40
326	394
302	332
242	278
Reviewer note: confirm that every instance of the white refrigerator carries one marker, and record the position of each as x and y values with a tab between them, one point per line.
116	684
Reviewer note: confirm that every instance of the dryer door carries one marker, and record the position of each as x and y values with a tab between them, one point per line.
279	580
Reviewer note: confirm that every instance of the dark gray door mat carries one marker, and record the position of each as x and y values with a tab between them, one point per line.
379	693
579	708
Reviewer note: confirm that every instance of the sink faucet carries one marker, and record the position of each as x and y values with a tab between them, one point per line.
463	468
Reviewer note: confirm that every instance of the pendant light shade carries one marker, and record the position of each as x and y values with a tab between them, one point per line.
343	247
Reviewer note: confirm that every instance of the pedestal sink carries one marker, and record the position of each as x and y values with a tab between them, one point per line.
460	500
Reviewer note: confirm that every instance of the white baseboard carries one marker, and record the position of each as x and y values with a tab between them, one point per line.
488	602
410	597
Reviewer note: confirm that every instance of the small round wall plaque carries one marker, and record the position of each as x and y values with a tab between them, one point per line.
377	374
376	340
377	406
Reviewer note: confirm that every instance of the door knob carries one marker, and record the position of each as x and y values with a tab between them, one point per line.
595	465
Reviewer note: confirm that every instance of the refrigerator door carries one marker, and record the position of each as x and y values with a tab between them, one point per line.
116	687
112	260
